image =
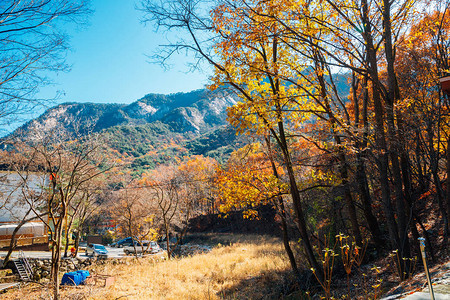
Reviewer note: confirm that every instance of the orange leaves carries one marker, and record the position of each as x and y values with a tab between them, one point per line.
198	165
259	57
247	181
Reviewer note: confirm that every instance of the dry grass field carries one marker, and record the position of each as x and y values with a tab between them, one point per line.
238	267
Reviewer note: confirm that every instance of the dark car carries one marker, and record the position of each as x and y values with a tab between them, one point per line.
123	243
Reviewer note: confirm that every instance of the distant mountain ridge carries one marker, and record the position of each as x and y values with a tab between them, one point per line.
153	130
197	111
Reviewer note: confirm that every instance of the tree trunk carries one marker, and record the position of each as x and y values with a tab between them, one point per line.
361	176
366	200
77	242
423	185
56	257
282	213
66	247
169	252
392	95
380	138
287	247
301	223
434	162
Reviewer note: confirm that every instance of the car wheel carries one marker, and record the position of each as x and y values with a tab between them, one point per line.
127	252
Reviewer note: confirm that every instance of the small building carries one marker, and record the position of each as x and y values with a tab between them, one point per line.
30	233
17	195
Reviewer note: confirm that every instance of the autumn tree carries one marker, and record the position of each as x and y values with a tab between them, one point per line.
423	57
253	59
247	181
197	174
250	179
278	56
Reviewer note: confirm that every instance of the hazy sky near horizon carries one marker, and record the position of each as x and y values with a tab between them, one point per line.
109	59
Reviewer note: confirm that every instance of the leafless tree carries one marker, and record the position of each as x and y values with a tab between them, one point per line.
68	163
32	44
133	215
83	207
22	201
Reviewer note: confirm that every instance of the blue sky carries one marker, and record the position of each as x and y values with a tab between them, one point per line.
109	62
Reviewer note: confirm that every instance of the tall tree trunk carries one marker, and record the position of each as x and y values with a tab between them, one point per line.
166	228
380	138
282	214
282	143
77	241
423	186
285	232
401	205
299	214
349	200
361	176
56	258
434	166
66	232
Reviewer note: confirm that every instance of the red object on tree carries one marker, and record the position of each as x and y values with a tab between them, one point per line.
445	84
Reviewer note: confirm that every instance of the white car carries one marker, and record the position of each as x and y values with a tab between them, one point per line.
145	246
96	250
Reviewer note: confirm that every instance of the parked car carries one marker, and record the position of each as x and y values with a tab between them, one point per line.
123	243
96	250
146	246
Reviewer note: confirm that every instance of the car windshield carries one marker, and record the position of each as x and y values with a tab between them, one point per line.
153	244
99	247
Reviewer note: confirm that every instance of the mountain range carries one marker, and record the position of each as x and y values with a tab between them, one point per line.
153	130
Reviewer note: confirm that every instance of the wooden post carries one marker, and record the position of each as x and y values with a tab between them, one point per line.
424	259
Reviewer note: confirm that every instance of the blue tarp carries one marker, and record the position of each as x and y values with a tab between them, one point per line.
74	278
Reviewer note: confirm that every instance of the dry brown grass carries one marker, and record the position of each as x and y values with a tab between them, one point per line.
248	267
